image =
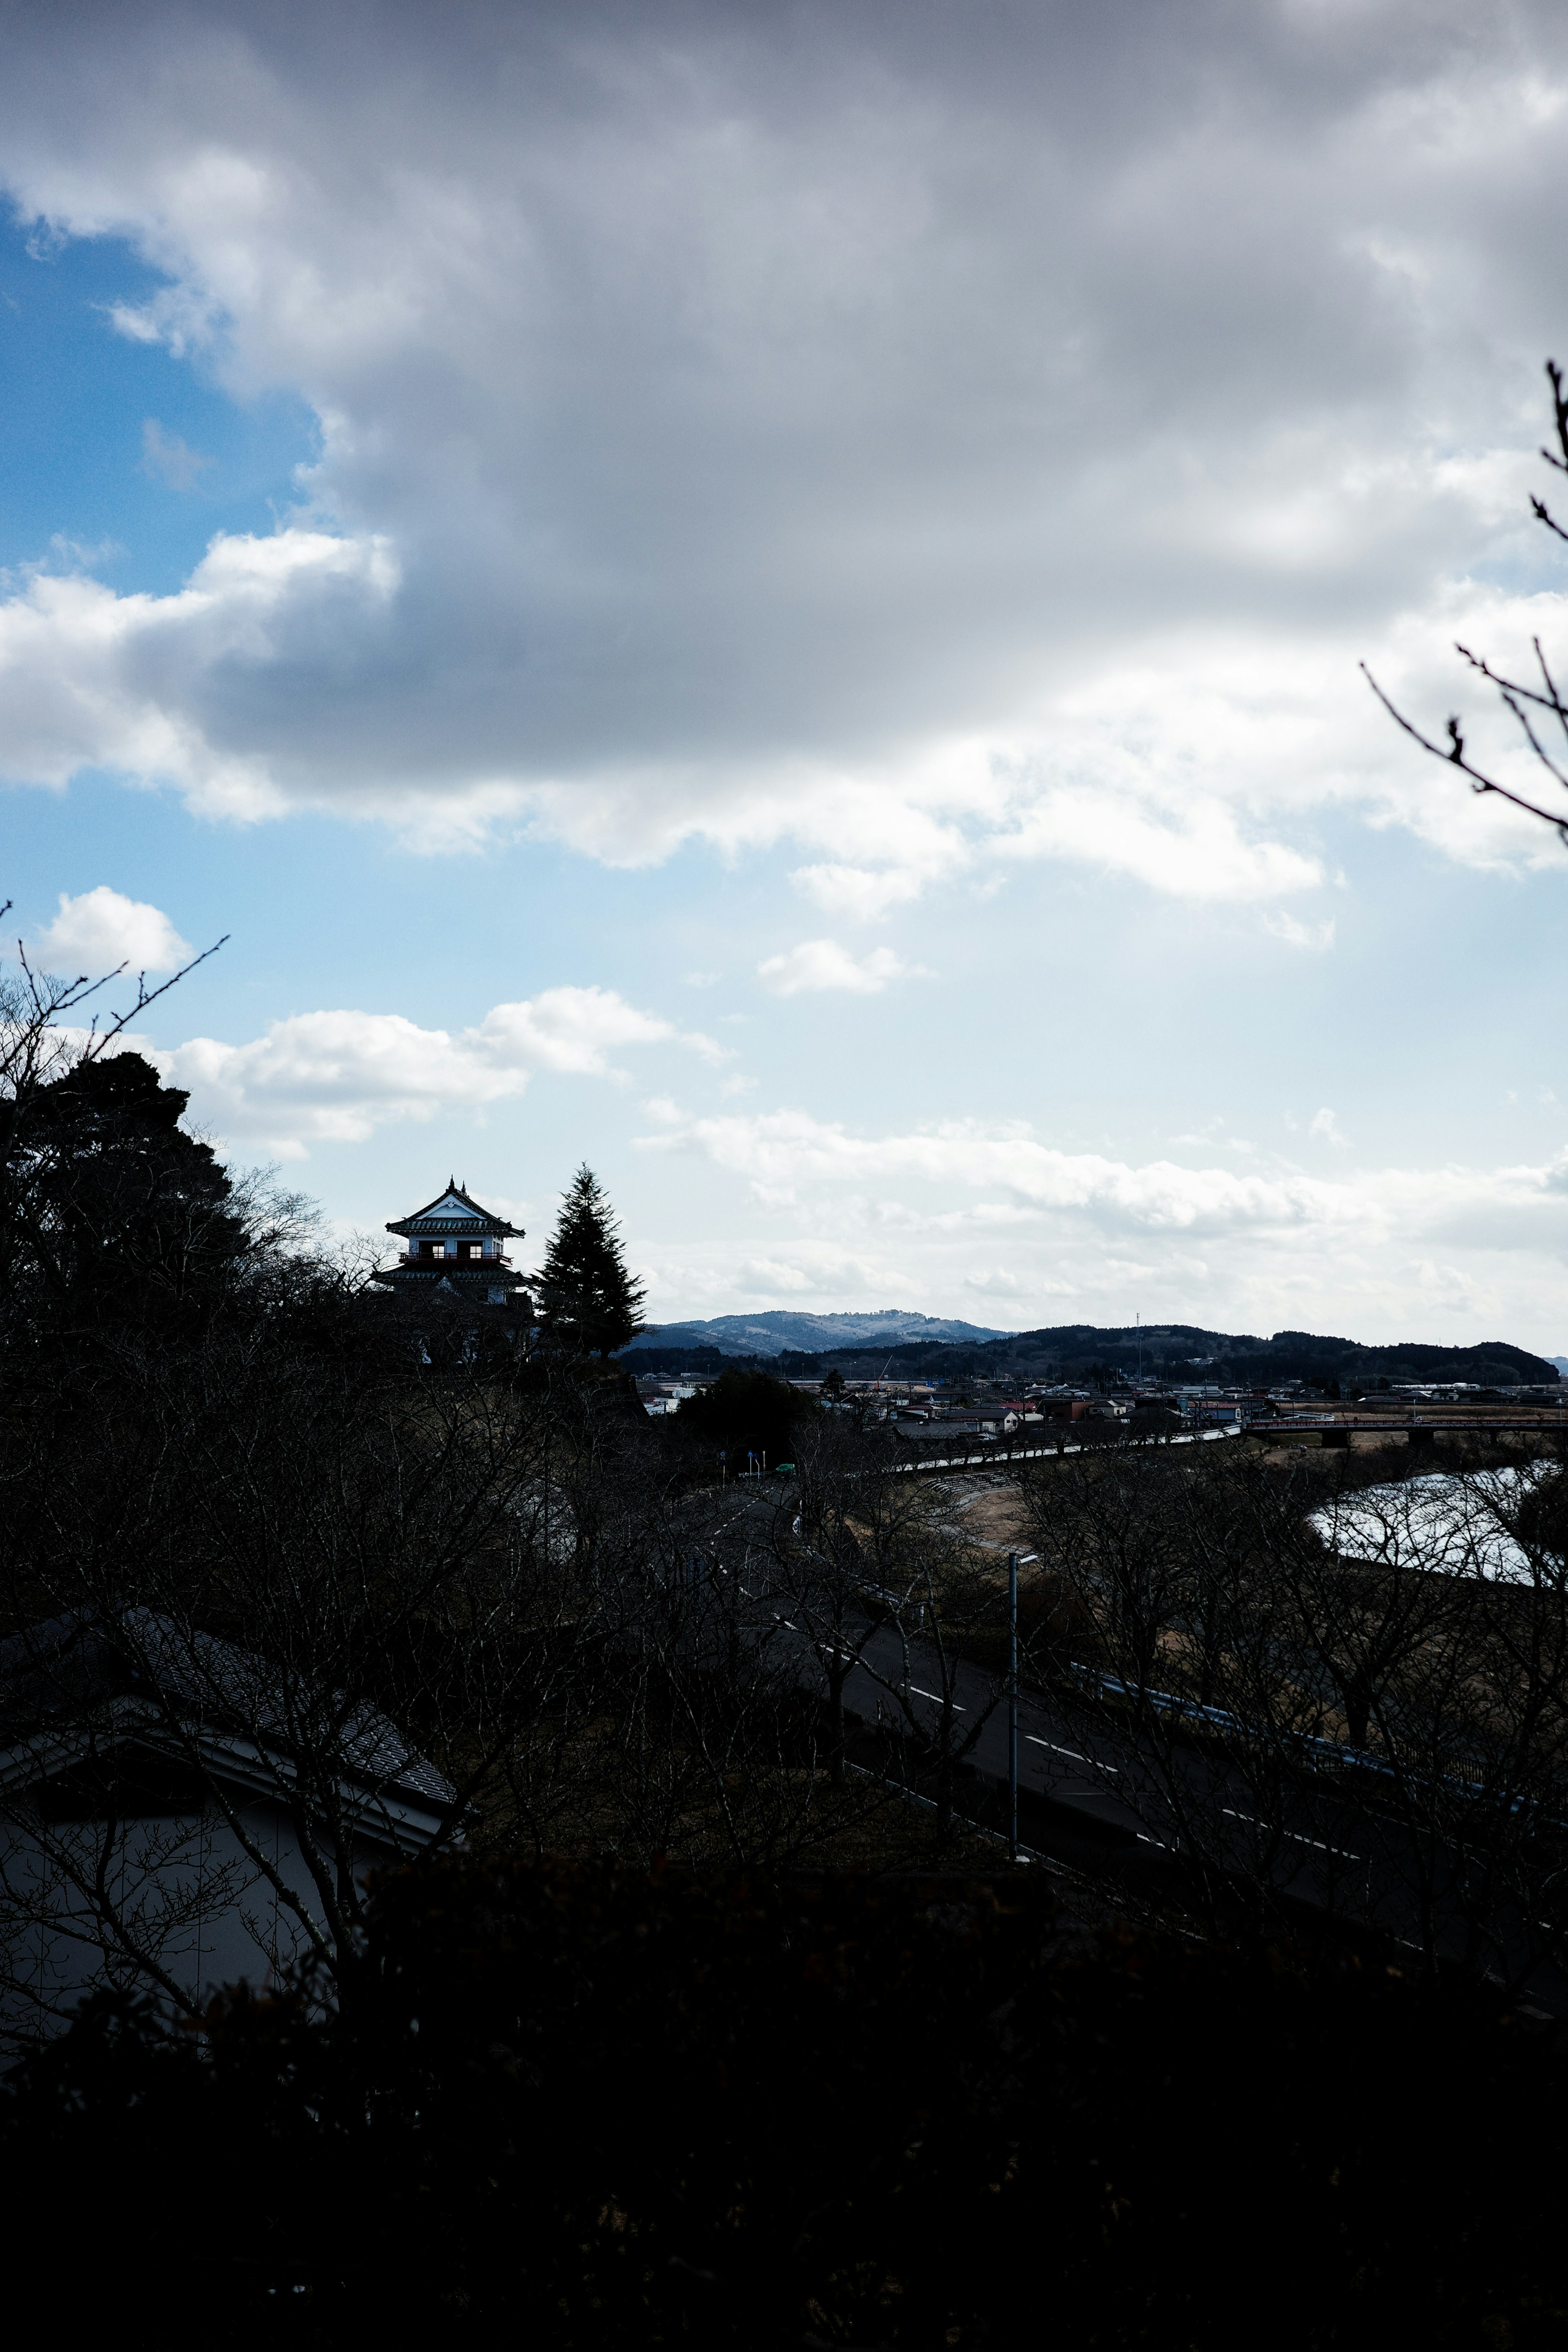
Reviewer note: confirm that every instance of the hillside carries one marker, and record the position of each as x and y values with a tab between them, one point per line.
912	1346
783	1328
1186	1351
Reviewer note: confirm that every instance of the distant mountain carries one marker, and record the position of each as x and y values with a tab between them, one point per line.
1184	1351
771	1334
860	1346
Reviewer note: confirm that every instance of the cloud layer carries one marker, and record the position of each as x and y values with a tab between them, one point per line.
338	1077
1053	1236
942	441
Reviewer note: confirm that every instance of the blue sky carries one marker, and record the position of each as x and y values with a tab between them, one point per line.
777	610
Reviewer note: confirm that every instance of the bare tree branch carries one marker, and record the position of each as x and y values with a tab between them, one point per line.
1512	693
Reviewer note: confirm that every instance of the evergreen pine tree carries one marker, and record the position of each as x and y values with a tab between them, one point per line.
588	1300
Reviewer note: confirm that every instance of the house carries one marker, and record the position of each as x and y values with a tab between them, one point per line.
981	1421
170	1813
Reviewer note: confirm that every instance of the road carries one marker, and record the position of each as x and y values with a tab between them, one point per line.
1324	1843
1331	1849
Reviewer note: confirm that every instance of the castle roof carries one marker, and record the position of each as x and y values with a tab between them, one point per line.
452	1212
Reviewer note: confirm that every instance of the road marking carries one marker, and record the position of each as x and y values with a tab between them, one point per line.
937	1696
1344	1852
1114	1770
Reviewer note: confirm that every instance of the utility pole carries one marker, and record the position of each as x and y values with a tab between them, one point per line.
1013	1707
1012	1566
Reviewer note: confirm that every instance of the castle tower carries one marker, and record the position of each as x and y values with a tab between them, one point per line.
454	1247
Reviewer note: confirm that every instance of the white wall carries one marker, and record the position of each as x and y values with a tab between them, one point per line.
186	1886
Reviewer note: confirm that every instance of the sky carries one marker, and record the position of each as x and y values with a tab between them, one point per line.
769	597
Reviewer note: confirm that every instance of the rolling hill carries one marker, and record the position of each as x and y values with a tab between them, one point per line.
783	1328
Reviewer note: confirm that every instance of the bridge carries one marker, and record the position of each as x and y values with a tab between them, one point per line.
1416	1428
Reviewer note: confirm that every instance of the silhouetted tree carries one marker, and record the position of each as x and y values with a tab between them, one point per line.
123	1221
743	1413
589	1302
103	1197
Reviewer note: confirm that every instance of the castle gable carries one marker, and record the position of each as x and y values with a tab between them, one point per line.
453	1204
452	1213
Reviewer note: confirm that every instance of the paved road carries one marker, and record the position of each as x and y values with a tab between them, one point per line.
1336	1849
1331	1848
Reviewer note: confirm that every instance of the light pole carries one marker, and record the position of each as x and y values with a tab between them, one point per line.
1014	1562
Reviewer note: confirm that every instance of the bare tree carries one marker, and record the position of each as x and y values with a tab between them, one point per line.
1331	1683
1454	1585
839	1549
939	1613
1177	1689
1534	704
288	1602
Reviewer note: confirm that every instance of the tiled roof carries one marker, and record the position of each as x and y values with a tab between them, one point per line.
453	1211
77	1662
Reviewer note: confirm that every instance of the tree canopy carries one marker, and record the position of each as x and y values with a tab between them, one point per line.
115	1219
746	1413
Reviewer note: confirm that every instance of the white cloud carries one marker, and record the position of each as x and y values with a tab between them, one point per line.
787	1153
999	1284
1296	934
1209	1139
166	458
337	1076
823	963
861	894
788	1157
101	929
1325	1125
815	1273
939	454
1195	849
91	679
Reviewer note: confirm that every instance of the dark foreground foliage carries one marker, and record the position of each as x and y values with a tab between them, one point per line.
571	2105
745	1411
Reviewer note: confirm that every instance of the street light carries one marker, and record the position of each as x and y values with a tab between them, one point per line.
1014	1562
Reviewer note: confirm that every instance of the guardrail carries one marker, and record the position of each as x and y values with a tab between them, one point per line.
1330	1751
